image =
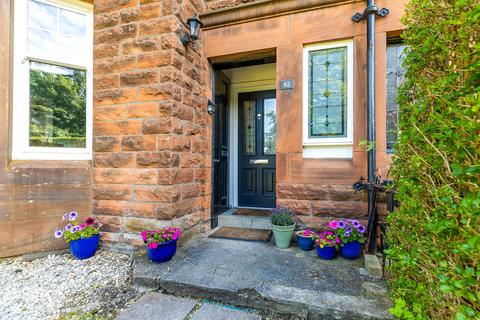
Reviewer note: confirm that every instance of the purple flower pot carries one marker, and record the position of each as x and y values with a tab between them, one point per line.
351	250
163	252
84	248
326	253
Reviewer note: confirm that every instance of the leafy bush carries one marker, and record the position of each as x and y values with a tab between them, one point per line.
434	235
282	216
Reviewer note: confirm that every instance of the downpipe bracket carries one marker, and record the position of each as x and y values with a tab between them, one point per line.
383	12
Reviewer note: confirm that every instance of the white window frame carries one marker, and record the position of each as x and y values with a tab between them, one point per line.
332	141
21	85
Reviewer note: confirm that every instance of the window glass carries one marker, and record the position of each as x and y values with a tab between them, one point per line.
249	127
54	31
327	93
57	106
395	77
269	126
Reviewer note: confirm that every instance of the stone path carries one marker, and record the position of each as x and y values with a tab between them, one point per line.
156	305
260	276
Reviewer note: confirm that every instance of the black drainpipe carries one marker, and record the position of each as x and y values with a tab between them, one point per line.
370	13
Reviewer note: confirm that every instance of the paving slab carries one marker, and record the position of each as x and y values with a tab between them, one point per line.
159	306
261	276
210	311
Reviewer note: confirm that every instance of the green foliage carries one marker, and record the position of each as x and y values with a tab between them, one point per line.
282	216
434	236
86	232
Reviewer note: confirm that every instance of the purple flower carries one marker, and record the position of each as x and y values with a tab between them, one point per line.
65	216
361	229
58	233
74	229
341	224
68	227
355	223
347	234
72	216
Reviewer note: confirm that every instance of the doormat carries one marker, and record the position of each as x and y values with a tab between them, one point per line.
251	212
246	234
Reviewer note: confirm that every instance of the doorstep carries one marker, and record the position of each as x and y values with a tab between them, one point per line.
258	275
228	219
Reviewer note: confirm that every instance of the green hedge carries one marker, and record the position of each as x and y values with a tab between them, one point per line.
434	236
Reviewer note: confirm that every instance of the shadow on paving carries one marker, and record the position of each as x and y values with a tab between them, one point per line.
260	276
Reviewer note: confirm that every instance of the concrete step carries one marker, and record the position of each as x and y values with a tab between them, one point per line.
260	276
228	219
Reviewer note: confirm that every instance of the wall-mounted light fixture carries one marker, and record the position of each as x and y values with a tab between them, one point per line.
194	25
211	107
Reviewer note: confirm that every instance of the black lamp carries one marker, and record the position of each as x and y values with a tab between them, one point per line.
194	25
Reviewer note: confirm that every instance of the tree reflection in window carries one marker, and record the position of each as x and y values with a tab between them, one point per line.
57	106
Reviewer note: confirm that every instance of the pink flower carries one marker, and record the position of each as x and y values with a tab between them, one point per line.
307	233
152	245
165	236
144	235
89	221
333	224
83	225
174	237
338	241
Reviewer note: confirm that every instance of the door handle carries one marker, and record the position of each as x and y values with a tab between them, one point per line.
259	161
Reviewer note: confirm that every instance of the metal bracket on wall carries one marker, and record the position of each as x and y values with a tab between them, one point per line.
357	17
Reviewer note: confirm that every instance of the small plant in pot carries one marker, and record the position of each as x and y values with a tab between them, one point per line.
161	243
82	238
351	233
305	239
283	226
327	245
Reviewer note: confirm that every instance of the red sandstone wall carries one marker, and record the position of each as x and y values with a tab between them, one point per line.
151	129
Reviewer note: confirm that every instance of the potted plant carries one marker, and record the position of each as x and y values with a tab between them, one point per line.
83	238
351	233
161	243
305	239
327	245
282	226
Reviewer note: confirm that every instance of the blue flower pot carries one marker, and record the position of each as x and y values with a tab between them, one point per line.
304	243
351	250
163	252
84	248
326	253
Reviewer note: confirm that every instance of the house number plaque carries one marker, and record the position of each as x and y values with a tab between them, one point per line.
286	84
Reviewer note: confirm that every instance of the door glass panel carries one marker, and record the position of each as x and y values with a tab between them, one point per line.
269	126
249	128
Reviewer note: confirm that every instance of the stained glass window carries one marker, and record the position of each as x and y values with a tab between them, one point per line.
327	93
395	77
249	127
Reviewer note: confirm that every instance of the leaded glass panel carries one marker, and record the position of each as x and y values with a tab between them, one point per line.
327	94
249	127
395	77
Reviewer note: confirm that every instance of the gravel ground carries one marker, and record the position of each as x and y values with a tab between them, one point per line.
57	285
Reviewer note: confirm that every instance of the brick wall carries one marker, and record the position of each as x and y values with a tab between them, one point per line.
151	129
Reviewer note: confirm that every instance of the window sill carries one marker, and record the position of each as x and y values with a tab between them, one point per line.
328	151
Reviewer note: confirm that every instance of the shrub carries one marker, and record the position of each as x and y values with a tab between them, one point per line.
282	216
434	234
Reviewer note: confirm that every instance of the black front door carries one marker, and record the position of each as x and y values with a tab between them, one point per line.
256	149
